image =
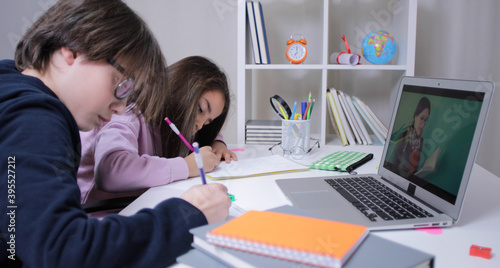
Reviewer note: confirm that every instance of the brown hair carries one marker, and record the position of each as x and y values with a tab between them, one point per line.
188	79
101	30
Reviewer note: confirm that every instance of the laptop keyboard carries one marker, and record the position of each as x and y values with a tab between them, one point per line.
375	200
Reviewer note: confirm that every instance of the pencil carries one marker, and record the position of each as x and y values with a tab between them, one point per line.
310	109
292	117
174	128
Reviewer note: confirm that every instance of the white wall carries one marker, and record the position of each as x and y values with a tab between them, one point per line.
455	39
459	39
196	27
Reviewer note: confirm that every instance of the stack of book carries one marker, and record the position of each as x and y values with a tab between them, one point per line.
351	118
258	32
263	131
289	237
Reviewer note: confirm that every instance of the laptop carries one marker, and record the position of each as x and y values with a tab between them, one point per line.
433	139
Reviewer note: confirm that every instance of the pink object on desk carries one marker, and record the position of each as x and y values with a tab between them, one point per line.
237	150
433	230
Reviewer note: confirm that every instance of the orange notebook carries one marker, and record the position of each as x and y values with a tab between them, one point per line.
291	237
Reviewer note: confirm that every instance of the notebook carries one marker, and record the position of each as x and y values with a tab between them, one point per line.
319	242
258	166
450	132
374	252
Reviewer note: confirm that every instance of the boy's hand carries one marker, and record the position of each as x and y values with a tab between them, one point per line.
211	199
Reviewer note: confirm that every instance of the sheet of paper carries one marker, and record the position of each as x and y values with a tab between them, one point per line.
255	167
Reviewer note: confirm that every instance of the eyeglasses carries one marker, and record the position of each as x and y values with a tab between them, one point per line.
124	88
296	152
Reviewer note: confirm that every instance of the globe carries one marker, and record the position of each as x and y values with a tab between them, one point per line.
379	47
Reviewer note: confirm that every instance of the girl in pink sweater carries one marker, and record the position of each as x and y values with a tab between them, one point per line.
138	150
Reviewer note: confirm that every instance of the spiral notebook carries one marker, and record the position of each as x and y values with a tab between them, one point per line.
291	237
374	252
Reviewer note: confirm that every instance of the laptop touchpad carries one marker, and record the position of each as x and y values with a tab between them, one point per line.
313	199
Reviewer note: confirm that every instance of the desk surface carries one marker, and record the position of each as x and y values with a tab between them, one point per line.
478	224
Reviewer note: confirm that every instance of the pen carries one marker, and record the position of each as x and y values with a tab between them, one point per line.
359	163
174	128
304	106
199	161
306	117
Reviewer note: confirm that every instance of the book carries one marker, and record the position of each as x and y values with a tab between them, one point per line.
253	33
258	166
368	120
261	32
335	112
319	242
332	118
263	135
261	142
263	132
362	127
429	164
374	252
350	118
343	119
377	123
263	124
264	138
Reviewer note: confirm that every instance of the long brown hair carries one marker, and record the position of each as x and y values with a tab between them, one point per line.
188	79
101	30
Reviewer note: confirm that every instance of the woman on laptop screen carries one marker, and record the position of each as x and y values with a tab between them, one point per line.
409	140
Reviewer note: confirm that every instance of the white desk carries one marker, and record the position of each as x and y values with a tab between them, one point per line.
479	221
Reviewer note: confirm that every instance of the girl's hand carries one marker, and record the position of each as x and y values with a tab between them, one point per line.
220	150
210	161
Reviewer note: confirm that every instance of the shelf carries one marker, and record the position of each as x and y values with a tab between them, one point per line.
322	22
284	67
321	67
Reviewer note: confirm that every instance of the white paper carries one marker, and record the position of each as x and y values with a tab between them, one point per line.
255	167
344	58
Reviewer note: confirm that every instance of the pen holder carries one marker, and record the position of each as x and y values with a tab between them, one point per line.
295	136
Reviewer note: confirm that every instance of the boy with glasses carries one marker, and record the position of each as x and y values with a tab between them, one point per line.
75	67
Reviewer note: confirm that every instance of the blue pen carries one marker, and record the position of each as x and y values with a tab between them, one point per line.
199	161
304	107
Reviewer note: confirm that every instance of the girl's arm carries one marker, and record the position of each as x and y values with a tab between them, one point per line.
125	158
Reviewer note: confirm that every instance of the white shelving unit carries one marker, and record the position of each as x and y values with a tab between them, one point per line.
322	23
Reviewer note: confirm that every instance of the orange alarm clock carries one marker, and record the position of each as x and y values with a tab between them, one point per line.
296	51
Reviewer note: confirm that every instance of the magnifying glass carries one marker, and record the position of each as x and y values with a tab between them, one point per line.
280	107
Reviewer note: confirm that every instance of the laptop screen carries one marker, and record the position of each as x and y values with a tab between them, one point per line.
432	136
